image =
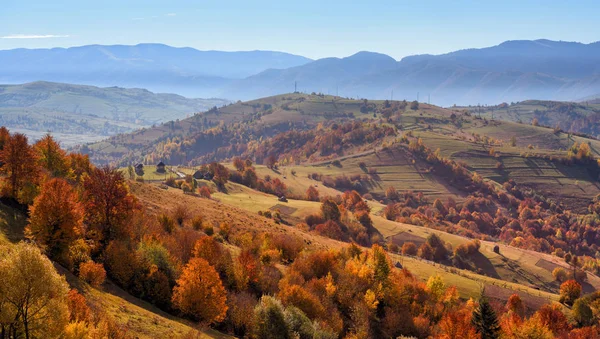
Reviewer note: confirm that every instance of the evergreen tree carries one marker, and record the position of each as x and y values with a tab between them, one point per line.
485	320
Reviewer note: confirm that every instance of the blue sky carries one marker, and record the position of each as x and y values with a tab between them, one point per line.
311	28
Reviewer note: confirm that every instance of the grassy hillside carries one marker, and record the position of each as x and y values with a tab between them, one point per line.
572	117
522	150
513	271
271	114
91	111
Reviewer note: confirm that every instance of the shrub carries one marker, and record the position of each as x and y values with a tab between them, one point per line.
167	224
197	222
180	214
560	274
205	192
93	273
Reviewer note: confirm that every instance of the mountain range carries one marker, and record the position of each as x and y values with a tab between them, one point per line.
510	71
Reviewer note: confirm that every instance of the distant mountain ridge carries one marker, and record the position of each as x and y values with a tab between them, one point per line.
511	71
157	67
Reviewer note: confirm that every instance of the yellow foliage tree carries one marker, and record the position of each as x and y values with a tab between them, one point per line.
33	296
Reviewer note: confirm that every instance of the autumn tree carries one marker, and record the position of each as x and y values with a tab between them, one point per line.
19	164
108	204
239	164
199	292
570	290
93	273
32	294
392	194
515	305
409	248
270	319
4	136
560	274
220	173
79	165
485	321
51	157
425	252
312	194
55	218
552	317
582	313
271	161
457	325
330	210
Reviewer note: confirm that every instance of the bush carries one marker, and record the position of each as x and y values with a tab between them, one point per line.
205	192
560	274
197	222
167	224
180	214
93	273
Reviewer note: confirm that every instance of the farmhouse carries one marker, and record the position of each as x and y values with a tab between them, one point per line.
160	167
139	169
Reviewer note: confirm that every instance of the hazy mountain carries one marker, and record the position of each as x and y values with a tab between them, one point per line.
511	71
157	67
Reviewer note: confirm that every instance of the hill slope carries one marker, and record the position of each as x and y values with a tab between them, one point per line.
90	111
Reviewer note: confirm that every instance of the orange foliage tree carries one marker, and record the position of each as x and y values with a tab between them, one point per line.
20	166
199	292
457	325
569	291
312	194
56	217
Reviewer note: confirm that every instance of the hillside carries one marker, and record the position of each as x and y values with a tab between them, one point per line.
140	319
77	113
358	204
467	139
582	117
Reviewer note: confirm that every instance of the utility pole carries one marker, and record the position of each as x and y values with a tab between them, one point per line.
417	96
295	86
429	99
392	95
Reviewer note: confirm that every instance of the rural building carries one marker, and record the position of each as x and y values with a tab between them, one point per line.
160	167
139	169
199	175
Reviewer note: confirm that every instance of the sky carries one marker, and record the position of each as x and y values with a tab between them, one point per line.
311	28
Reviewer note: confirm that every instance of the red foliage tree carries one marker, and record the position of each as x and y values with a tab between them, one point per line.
19	164
108	205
